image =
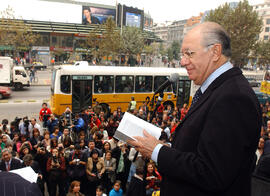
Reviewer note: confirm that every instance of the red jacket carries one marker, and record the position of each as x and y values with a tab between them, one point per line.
44	111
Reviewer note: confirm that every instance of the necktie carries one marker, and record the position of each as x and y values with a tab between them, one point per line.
196	97
8	166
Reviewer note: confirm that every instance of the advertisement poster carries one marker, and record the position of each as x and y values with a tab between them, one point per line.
133	20
94	15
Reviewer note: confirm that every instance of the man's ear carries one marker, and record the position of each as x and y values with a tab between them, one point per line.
217	51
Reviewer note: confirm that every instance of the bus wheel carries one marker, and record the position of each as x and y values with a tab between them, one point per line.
106	109
166	103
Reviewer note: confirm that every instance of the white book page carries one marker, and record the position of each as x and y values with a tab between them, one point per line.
131	126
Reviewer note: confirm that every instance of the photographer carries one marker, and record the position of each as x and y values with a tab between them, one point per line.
76	166
51	123
56	167
44	114
4	127
23	126
67	116
33	125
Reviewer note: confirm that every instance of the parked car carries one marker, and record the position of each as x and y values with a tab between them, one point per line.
253	82
262	97
5	92
37	66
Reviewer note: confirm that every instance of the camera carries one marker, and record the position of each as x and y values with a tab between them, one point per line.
42	148
77	161
26	122
55	159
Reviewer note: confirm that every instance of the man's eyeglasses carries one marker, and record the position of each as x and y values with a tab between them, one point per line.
189	54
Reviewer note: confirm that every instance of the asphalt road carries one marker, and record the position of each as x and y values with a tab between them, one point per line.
24	103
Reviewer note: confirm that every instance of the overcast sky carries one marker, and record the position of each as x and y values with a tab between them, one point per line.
160	11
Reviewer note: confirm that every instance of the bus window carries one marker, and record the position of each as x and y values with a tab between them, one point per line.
65	83
124	84
158	80
104	84
143	84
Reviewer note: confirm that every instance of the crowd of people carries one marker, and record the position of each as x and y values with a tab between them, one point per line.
78	154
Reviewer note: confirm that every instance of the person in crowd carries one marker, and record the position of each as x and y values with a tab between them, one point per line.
97	108
95	122
98	138
116	191
141	114
152	176
91	147
260	148
120	153
52	122
77	126
94	171
8	163
74	189
100	191
111	127
46	142
55	167
183	111
64	135
68	147
132	105
76	166
33	124
56	133
113	142
104	133
137	186
24	126
36	139
67	117
44	114
29	162
110	166
16	143
136	160
42	157
106	147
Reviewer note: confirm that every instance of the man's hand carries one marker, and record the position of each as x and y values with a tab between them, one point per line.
145	145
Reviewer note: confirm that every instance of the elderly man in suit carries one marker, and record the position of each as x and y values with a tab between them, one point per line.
8	163
213	149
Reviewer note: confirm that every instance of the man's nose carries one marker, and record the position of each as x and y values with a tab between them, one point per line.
184	61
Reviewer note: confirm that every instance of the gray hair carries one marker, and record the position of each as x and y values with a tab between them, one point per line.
6	150
214	34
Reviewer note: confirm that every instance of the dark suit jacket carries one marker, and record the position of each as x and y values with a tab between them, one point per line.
15	164
213	149
12	184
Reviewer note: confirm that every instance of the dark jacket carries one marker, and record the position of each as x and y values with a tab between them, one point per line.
15	164
213	149
136	187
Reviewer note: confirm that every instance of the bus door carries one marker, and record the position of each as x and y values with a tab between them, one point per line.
183	92
81	92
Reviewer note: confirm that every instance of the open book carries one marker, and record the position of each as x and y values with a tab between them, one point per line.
131	126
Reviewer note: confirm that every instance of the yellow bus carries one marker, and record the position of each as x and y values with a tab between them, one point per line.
112	86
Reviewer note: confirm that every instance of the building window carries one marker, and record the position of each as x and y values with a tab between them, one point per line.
268	21
54	40
104	84
65	83
266	37
267	29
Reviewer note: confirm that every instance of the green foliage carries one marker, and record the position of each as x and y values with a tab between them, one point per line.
133	41
262	53
243	26
173	51
14	32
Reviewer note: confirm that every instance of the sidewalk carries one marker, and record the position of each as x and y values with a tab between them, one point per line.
43	78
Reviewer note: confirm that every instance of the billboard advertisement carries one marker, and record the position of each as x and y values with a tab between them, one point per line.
95	15
133	19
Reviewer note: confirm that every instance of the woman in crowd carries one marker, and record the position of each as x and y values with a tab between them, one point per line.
110	166
36	139
46	142
56	167
94	170
151	177
74	189
16	142
106	147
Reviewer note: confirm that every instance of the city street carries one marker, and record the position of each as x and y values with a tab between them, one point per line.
26	102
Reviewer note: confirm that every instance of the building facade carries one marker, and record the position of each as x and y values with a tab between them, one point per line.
264	12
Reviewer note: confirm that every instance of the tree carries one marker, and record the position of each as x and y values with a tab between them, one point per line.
242	24
133	42
16	33
262	52
173	51
93	43
111	39
150	51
